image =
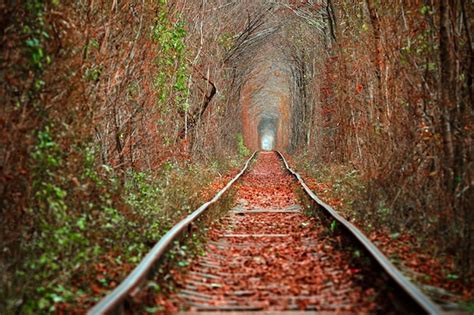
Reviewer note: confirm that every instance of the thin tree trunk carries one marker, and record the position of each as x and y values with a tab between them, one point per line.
447	89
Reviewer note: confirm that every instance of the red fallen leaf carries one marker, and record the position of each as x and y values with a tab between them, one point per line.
95	288
354	270
359	88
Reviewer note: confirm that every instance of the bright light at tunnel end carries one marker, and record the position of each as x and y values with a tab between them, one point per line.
267	143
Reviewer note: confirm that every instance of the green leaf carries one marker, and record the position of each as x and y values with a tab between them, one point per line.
183	263
452	276
395	235
81	223
153	309
43	303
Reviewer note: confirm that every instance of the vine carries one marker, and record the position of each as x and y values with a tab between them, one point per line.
171	80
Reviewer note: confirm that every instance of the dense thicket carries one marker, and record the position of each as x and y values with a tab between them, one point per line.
104	104
393	100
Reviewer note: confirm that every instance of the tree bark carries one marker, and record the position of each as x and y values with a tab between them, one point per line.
447	89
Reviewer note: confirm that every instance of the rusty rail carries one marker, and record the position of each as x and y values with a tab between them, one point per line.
115	300
419	298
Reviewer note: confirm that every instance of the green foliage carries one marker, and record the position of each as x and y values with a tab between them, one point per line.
127	218
383	211
36	34
143	196
421	47
172	76
93	73
59	243
226	41
468	306
241	148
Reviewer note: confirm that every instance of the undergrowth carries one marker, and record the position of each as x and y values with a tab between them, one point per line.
115	226
343	187
241	147
343	183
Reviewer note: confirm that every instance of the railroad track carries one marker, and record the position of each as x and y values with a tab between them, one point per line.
266	254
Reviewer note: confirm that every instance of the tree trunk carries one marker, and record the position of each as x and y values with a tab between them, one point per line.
447	89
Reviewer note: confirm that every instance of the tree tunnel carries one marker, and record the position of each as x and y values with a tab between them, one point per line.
268	67
265	105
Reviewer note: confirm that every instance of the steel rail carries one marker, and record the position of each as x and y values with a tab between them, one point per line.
115	300
408	287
